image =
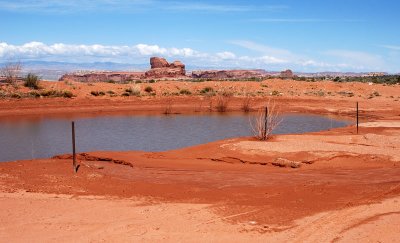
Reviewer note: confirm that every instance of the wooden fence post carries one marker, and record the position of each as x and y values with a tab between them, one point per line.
357	117
73	148
265	123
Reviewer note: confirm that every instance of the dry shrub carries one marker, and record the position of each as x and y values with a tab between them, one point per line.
168	106
199	106
264	124
246	104
132	91
222	99
11	71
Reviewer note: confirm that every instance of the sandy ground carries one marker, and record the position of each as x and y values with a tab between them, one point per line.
95	219
345	187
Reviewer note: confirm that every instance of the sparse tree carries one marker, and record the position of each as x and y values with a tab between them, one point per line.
11	71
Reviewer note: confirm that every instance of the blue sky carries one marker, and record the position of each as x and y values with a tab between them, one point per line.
309	35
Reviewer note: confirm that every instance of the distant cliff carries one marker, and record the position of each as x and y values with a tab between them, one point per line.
161	69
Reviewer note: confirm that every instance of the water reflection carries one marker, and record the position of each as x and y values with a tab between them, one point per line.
43	137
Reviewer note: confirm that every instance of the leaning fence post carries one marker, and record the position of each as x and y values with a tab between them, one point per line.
265	123
73	147
357	117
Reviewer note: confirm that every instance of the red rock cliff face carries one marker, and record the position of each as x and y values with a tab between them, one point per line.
228	74
118	77
160	68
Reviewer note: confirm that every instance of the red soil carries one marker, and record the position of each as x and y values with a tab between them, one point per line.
340	171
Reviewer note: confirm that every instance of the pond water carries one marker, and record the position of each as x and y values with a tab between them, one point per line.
44	137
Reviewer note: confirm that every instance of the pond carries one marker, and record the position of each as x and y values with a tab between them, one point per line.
44	137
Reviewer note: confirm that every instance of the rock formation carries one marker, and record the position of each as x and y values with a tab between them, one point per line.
229	74
157	62
160	68
286	74
93	77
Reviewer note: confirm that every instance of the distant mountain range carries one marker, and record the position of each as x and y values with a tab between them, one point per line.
54	70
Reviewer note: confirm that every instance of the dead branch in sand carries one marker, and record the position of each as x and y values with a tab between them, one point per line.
266	120
11	71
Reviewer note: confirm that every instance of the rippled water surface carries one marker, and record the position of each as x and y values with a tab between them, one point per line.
44	137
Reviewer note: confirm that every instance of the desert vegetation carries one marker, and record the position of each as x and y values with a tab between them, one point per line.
132	91
222	100
32	81
97	93
167	110
11	72
266	121
148	89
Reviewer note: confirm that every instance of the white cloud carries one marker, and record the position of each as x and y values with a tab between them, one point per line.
208	7
253	46
303	20
73	6
357	59
268	58
62	6
391	47
226	55
37	50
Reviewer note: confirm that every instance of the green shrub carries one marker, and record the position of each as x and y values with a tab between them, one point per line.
57	93
32	81
206	90
346	93
148	89
34	94
152	81
47	93
132	91
67	94
185	92
97	93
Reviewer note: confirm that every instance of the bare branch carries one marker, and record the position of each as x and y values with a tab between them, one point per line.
11	71
263	124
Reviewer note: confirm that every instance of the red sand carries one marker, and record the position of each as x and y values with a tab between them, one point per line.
347	188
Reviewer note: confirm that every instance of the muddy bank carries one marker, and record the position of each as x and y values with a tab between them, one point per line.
376	101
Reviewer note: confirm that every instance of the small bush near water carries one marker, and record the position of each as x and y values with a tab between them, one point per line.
223	98
32	81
